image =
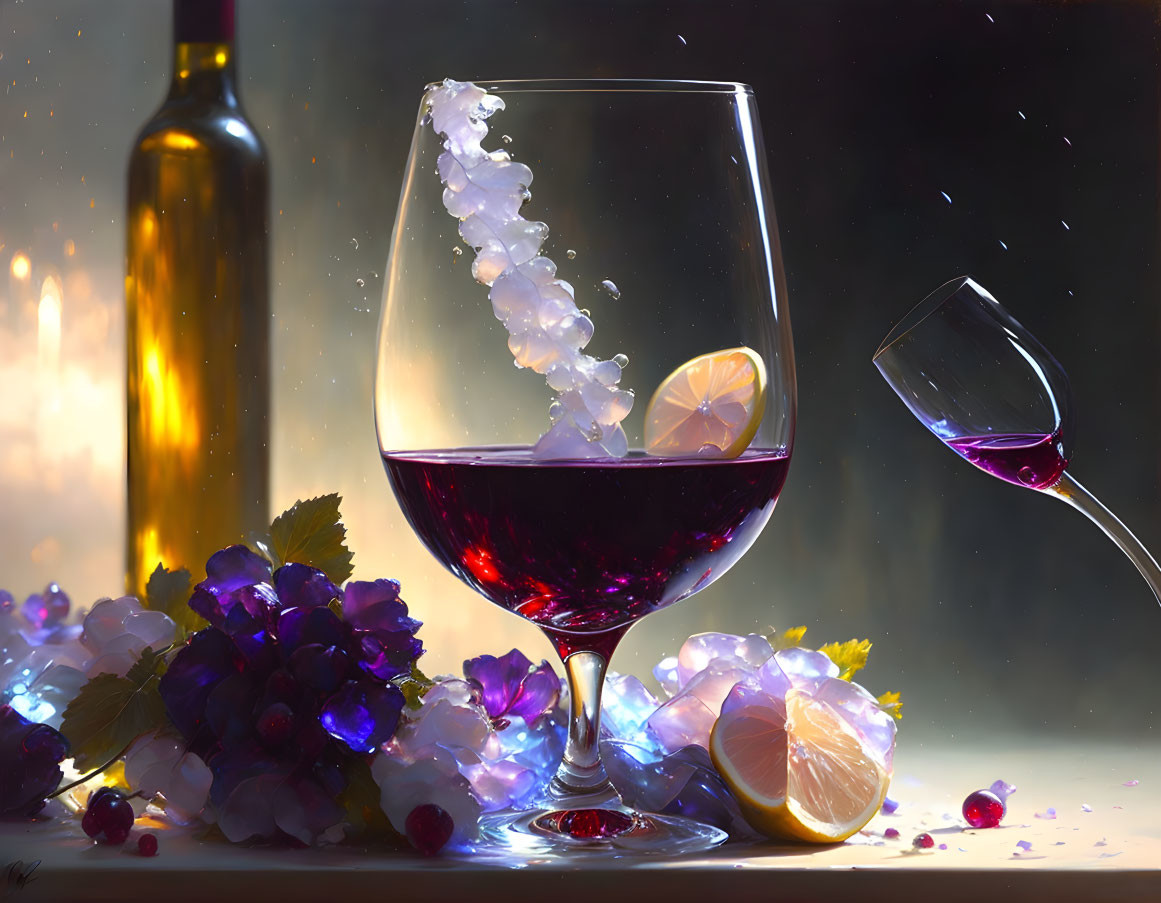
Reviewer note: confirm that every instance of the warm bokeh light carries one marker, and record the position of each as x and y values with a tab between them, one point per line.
48	326
70	248
21	266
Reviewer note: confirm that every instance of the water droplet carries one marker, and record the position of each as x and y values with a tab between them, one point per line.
621	360
990	19
683	40
586	311
1066	141
555	411
525	196
703	408
1021	112
355	243
1004	246
1066	226
425	119
611	287
570	254
946	197
507	139
457	250
1026	475
594	433
360	283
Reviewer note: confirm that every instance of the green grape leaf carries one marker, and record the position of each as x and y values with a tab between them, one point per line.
310	532
413	686
169	591
850	656
890	703
361	802
110	712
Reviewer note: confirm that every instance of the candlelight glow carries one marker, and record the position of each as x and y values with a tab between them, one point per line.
21	266
48	326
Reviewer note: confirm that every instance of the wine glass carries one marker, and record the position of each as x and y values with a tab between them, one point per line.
529	482
994	395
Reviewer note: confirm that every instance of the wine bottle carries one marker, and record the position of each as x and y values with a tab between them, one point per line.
197	311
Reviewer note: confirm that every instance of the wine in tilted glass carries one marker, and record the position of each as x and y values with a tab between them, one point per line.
993	394
589	424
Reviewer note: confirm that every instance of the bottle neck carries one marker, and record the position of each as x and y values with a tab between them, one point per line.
203	71
203	50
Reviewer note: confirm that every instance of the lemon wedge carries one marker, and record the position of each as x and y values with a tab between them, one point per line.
800	775
709	406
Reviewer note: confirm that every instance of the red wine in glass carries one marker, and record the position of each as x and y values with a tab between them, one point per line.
966	368
584	549
1035	460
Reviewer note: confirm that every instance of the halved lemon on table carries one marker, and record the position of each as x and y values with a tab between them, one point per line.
804	776
709	406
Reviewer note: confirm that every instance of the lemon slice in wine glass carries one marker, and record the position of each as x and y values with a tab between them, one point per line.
709	406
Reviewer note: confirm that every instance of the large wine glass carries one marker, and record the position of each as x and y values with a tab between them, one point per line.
530	482
994	395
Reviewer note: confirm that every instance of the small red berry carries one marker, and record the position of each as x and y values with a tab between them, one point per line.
147	845
891	833
429	828
923	841
983	809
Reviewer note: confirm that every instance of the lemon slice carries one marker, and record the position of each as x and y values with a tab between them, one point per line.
709	406
806	776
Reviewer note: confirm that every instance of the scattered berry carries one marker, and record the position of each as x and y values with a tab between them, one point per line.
923	841
147	845
891	833
983	809
429	828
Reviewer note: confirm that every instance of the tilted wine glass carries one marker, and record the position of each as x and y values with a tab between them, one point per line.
993	394
667	243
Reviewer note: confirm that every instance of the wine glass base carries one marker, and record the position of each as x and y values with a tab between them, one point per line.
594	832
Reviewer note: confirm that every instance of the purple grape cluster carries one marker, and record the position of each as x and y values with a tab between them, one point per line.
30	757
282	691
109	814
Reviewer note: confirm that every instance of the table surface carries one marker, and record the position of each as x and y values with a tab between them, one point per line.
1112	852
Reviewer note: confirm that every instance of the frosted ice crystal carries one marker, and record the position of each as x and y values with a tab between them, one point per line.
547	331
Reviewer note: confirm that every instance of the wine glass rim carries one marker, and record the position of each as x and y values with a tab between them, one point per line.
606	85
921	312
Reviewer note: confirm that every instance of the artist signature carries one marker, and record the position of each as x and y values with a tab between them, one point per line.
16	875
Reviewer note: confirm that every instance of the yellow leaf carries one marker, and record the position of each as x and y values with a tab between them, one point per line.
787	639
890	703
849	656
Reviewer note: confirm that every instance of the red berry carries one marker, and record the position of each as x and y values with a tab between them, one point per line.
983	809
891	833
428	827
91	823
109	813
923	841
147	845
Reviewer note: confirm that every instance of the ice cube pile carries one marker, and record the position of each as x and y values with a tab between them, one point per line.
485	190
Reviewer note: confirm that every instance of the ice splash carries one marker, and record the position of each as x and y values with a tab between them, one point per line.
485	191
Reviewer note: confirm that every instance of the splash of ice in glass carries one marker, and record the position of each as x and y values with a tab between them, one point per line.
547	332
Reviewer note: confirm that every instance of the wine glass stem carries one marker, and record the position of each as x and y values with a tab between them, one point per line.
1071	491
581	773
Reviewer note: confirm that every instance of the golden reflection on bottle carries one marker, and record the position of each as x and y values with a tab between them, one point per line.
197	320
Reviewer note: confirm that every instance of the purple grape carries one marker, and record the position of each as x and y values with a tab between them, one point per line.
208	659
429	828
300	626
322	668
386	654
275	725
233	568
111	814
509	685
7	602
361	594
300	586
57	605
30	757
363	715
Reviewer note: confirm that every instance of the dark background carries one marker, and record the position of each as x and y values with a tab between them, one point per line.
990	607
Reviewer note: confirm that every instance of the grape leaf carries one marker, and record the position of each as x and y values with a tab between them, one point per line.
890	703
361	802
169	591
413	686
310	532
850	656
787	638
110	712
